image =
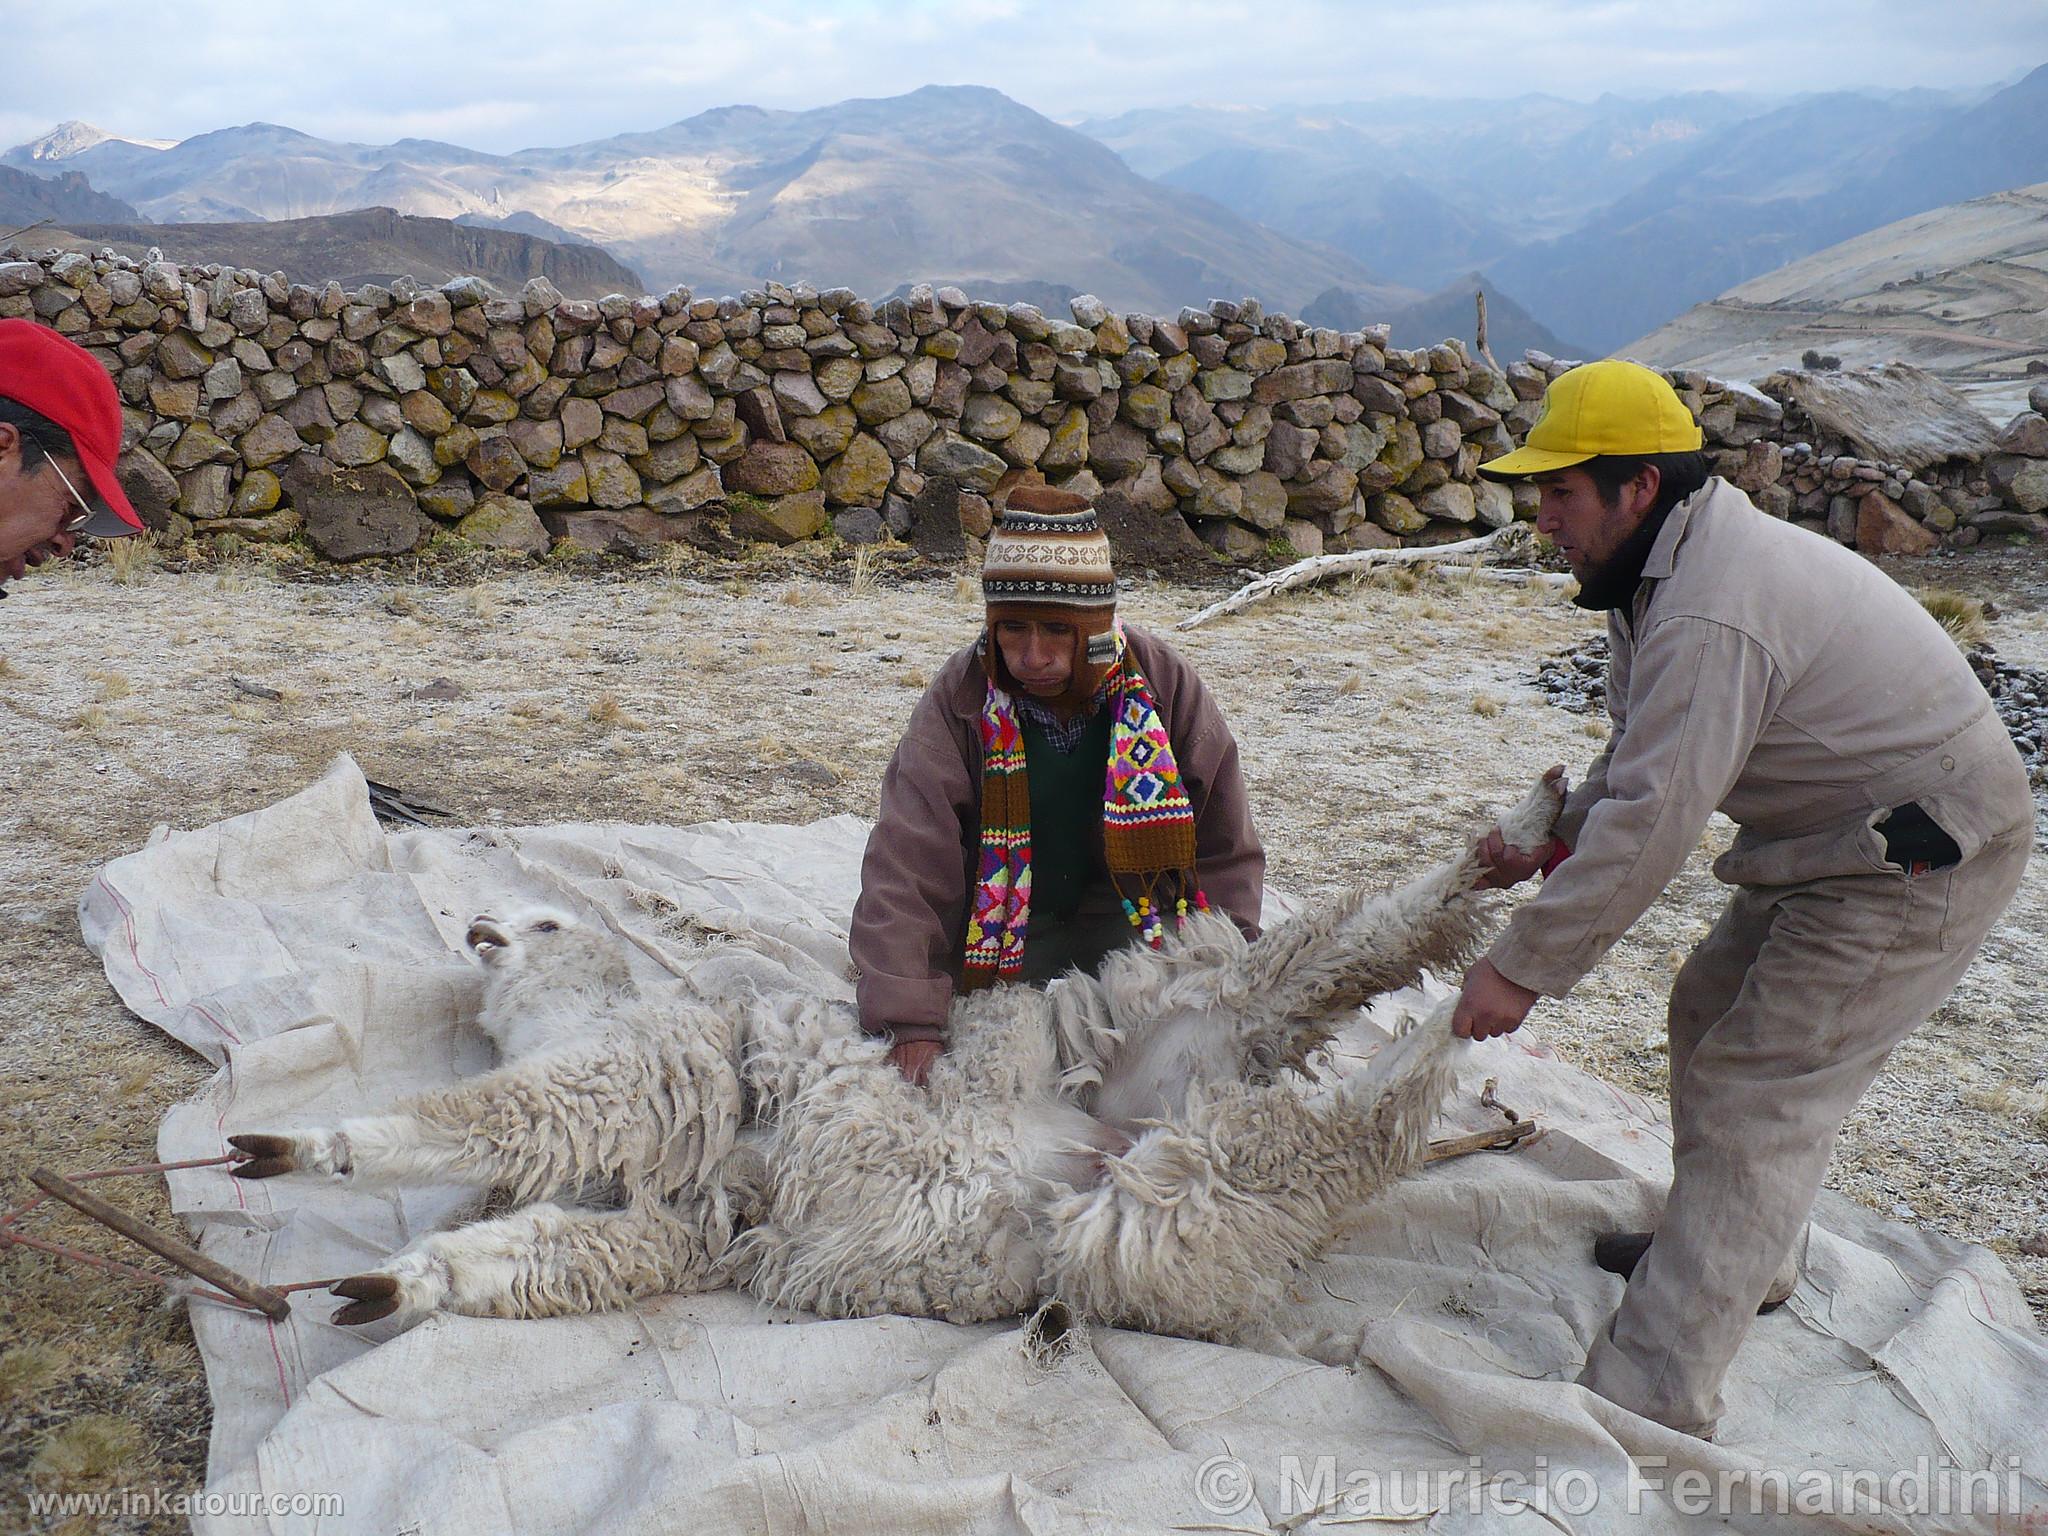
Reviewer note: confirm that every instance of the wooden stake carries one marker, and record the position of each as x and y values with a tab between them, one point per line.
1481	1141
13	234
1485	351
270	1303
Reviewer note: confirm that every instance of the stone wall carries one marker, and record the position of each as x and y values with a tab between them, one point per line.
373	420
1806	472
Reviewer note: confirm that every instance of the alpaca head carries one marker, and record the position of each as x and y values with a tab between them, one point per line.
545	946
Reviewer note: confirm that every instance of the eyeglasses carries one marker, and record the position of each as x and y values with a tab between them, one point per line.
76	520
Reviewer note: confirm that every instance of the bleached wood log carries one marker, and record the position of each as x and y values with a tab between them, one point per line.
1515	577
1321	568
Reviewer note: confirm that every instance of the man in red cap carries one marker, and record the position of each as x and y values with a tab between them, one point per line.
60	435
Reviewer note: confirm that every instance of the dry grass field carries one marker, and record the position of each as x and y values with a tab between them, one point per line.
1377	720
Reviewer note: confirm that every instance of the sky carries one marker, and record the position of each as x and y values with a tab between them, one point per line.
516	73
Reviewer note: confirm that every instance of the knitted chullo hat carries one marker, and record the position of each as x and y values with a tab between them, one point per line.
1048	559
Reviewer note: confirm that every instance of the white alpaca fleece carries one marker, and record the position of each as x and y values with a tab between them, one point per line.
1199	1225
869	1195
1015	1176
1141	1144
549	1260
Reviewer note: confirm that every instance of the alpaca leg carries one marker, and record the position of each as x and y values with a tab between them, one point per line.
544	1261
536	1126
1528	825
381	1150
1331	960
368	1149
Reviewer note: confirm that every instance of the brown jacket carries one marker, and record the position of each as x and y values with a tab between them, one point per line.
1771	674
910	924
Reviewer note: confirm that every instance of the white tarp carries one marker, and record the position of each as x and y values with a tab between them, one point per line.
318	959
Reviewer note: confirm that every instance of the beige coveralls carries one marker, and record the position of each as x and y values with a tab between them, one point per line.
1769	673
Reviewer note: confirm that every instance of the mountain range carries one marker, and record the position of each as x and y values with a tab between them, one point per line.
1420	189
1594	221
945	184
1603	219
1791	183
27	201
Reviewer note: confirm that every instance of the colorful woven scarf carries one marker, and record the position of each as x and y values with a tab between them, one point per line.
1148	826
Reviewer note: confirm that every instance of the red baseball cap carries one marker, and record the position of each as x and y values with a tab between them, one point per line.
56	378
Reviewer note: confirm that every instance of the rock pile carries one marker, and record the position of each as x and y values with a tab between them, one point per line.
2020	694
376	419
1884	508
1576	679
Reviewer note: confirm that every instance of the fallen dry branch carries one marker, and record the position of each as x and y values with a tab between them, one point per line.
1513	576
1321	568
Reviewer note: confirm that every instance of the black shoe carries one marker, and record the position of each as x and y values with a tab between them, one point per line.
1620	1252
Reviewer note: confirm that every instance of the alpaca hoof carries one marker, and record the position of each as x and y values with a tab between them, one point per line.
1528	826
267	1156
369	1298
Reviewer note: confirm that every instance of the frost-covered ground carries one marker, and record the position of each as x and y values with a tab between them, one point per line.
1377	722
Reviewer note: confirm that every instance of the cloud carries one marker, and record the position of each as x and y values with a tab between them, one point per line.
517	73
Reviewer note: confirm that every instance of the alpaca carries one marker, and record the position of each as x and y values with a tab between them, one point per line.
1136	1143
1122	1142
623	1102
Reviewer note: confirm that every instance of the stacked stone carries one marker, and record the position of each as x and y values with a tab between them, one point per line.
375	418
2017	472
1885	508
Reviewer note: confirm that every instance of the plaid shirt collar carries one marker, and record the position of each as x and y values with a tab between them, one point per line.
1065	735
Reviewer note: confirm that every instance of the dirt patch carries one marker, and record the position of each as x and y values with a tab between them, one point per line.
1377	722
1164	546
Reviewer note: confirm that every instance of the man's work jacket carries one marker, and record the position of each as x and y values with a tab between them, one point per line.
1770	673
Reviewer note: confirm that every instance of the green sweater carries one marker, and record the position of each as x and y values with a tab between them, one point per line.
1066	816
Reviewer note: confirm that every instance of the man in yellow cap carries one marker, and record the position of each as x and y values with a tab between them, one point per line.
1766	672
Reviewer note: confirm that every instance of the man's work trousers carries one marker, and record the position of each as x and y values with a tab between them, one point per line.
1823	960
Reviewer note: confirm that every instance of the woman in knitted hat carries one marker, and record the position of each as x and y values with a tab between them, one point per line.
1066	786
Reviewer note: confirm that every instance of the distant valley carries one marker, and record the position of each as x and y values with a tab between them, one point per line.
1604	219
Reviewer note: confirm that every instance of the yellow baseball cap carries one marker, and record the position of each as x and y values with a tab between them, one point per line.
1609	407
